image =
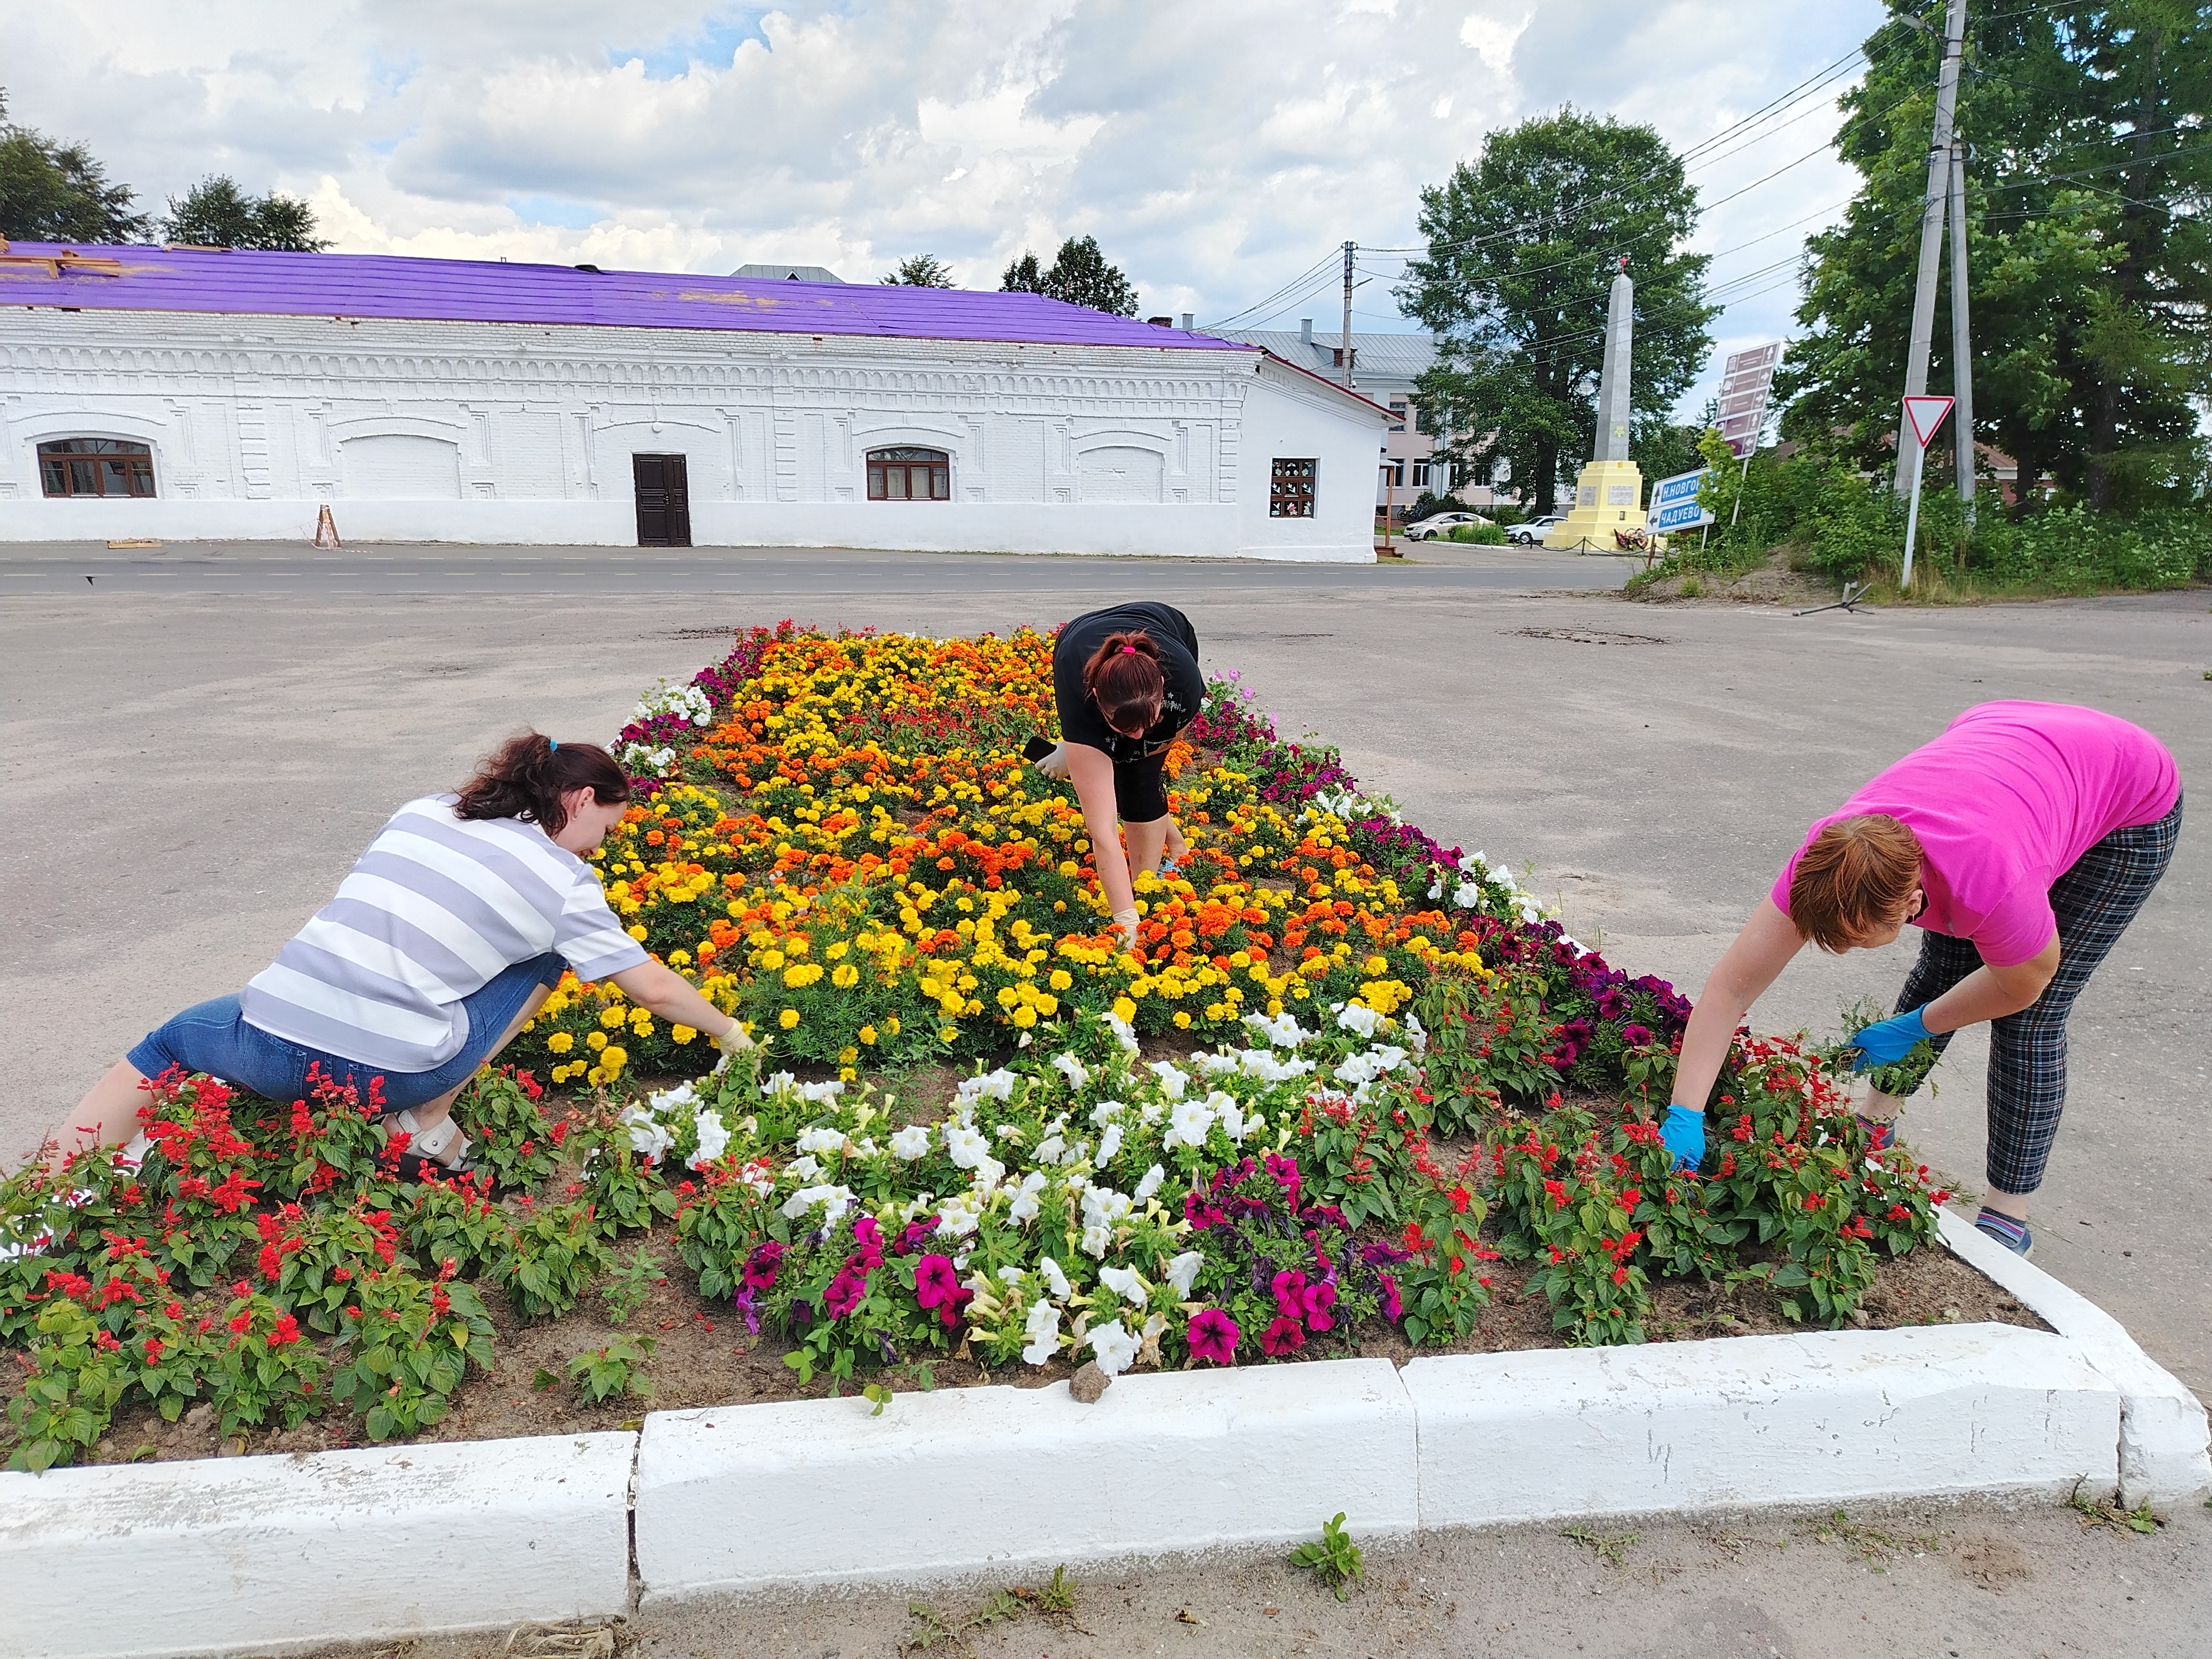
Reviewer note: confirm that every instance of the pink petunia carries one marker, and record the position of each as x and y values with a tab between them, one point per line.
1392	1308
934	1281
1289	1288
1213	1335
845	1292
1285	1335
1319	1299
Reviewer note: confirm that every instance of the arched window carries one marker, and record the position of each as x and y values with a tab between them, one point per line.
910	475
95	466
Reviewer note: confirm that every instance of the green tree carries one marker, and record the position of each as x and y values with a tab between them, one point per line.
922	270
2091	264
51	191
1523	244
215	213
1080	274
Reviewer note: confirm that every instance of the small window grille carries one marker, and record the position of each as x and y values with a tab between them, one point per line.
1290	490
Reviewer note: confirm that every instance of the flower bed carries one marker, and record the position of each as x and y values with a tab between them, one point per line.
1319	1105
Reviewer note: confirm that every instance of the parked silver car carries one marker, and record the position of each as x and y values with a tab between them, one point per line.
1533	531
1441	524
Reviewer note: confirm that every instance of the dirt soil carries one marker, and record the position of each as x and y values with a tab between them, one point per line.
1775	582
704	1356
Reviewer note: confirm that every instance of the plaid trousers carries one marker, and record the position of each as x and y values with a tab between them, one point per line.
2093	901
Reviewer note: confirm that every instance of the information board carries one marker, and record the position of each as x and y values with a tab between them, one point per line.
1674	503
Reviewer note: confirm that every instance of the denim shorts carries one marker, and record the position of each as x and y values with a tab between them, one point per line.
213	1037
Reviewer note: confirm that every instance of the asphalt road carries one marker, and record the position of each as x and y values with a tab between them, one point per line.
197	747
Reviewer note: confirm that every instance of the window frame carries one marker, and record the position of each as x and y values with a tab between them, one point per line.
905	461
62	461
1292	494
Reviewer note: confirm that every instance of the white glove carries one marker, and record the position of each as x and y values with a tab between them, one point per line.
1054	765
1126	921
733	1040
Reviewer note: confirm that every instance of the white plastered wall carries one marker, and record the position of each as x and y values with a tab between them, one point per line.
507	433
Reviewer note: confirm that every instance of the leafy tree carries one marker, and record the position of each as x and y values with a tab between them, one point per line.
1523	245
922	270
51	191
217	214
1080	275
2090	256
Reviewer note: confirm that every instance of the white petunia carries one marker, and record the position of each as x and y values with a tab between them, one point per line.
817	1093
1283	1030
958	1215
911	1142
1049	1149
1231	1118
774	1082
669	1101
1055	1281
1262	1064
648	1137
1361	1020
1043	1328
1095	1238
1468	895
1010	1275
1073	1069
714	1140
1025	1206
1123	1033
992	1085
1113	1347
1188	1124
964	1144
1124	1283
1416	1036
1172	1077
833	1200
1183	1272
803	1169
1150	1184
986	1176
1215	1064
1108	1144
821	1140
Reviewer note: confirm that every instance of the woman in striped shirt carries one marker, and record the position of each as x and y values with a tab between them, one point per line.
450	934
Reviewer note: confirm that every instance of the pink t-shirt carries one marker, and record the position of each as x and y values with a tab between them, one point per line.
2004	803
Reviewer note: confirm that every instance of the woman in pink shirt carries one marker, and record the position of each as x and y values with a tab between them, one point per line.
2022	842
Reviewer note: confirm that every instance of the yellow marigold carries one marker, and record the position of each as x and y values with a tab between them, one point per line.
787	1018
681	1033
1124	1010
845	976
559	1042
612	1059
596	1041
636	929
868	1034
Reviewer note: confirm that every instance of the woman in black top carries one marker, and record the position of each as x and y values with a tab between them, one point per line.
1126	679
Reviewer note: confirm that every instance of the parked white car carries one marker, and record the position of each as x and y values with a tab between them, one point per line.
1533	531
1441	524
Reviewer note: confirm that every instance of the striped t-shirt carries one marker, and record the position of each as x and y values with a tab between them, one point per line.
436	908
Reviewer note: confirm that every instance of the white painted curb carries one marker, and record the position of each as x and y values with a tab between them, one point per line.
2164	1434
262	1554
1822	1418
1020	1479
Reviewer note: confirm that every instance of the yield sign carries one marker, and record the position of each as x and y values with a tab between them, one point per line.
1925	414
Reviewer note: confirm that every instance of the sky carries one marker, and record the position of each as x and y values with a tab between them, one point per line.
1221	152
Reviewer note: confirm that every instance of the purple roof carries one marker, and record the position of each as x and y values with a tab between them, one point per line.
247	282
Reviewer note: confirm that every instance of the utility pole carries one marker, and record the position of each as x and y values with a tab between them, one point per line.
1940	161
1348	250
1962	345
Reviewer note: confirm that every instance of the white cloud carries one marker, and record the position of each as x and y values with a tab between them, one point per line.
1215	151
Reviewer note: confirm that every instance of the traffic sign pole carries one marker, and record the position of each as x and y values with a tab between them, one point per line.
1924	415
1913	514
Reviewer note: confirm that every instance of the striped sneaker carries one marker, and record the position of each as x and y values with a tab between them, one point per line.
2008	1231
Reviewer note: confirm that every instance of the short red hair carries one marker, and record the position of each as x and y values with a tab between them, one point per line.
1854	877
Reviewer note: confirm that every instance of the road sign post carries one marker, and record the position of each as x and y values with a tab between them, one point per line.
1922	415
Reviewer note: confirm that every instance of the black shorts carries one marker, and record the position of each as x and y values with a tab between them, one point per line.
1140	791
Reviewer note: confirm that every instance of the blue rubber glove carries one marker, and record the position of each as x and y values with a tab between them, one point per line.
1683	1134
1889	1040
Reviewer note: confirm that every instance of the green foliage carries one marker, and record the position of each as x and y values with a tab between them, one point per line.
921	270
630	1287
503	1114
1479	535
215	213
1080	274
717	1223
407	1347
622	1186
1899	1077
1488	1046
454	1221
554	1253
616	1370
1523	251
265	1367
2087	251
78	1377
52	191
1333	1557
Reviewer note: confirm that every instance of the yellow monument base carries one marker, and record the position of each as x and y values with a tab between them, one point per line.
1608	496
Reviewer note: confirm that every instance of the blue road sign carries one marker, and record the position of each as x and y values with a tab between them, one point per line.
1674	503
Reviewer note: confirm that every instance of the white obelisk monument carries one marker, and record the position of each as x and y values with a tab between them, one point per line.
1609	495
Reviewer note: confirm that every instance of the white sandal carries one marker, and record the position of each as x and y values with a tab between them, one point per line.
429	1148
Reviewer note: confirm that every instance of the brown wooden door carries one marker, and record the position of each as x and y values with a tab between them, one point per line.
664	500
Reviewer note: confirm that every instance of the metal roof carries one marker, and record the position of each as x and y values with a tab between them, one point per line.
1374	356
250	283
790	273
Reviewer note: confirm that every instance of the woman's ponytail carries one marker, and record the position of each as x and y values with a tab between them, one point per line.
525	778
1123	678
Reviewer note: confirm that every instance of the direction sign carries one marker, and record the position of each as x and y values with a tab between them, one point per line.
1674	502
1747	378
1924	415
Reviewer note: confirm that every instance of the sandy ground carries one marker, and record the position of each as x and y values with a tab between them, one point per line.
196	751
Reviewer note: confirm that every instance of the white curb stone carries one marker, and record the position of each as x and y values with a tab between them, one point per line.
1012	1480
250	1554
2163	1429
1826	1417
